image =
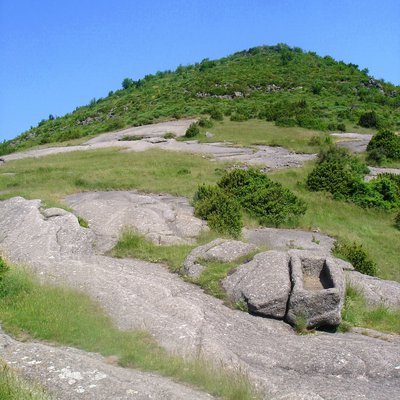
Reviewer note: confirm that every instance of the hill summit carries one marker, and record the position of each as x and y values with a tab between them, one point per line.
277	83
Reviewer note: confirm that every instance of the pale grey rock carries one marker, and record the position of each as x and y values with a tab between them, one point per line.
263	284
53	212
209	135
184	320
162	219
318	290
375	171
155	140
69	374
376	291
286	239
355	142
217	250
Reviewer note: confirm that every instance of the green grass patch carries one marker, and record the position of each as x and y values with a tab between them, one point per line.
67	317
372	228
356	313
215	272
53	177
255	131
13	387
133	245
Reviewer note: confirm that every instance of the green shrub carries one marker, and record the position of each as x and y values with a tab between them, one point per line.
205	123
368	120
192	131
3	268
355	253
222	212
397	221
385	144
216	114
169	135
237	117
341	127
262	198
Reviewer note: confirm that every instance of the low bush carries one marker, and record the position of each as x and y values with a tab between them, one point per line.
341	174
192	131
252	191
205	123
268	201
222	212
238	117
397	221
368	119
384	145
356	254
216	114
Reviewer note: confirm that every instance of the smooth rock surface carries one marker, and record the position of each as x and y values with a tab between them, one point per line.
183	319
318	290
355	142
217	250
286	239
263	284
70	374
162	219
376	291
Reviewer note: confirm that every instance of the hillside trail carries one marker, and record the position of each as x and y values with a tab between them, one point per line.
184	320
151	136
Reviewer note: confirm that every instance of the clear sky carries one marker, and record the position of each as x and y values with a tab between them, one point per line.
56	55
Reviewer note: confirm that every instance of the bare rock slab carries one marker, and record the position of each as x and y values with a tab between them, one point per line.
318	290
376	291
263	283
162	219
217	250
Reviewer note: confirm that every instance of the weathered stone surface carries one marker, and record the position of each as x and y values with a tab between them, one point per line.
263	283
355	142
163	219
318	290
217	250
183	319
286	239
376	291
69	374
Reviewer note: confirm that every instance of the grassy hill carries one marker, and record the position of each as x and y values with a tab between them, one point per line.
274	83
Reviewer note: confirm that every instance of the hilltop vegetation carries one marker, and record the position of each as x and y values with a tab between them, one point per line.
275	83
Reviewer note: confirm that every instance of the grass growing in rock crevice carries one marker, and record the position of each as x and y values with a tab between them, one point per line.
357	313
13	387
68	317
134	245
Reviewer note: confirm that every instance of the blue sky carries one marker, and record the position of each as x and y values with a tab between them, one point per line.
56	55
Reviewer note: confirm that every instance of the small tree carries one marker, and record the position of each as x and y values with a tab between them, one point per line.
127	83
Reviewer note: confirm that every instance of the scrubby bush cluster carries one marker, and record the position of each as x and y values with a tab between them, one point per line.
385	145
341	174
251	191
192	131
356	254
223	213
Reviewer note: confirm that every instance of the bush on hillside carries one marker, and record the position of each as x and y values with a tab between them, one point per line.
356	254
397	221
192	131
205	123
262	198
222	212
341	174
384	145
368	119
216	114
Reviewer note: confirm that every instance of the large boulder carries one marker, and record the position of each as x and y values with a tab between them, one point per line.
263	283
376	291
217	250
318	290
